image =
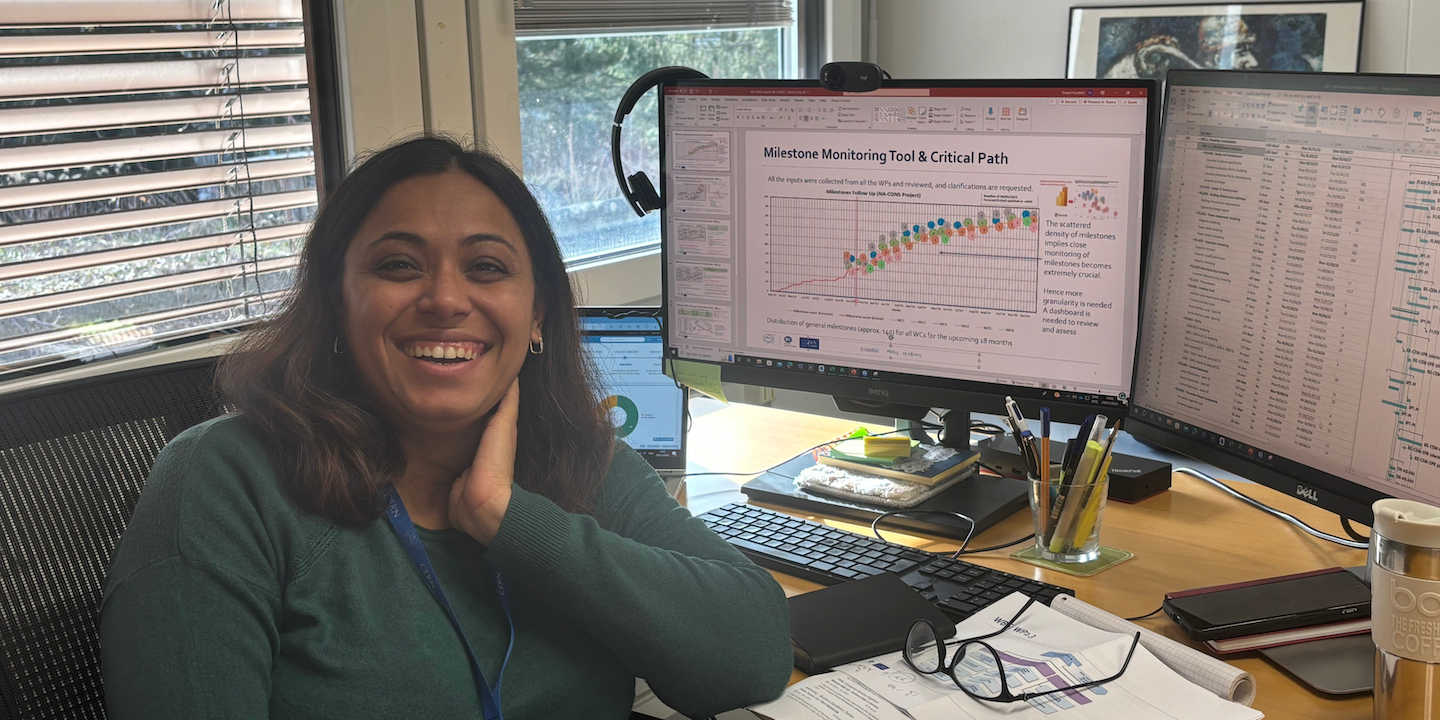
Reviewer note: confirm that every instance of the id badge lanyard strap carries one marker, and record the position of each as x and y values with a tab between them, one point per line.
400	521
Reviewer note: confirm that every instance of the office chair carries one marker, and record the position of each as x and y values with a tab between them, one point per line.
73	458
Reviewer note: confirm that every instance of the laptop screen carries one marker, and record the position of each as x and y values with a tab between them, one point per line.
646	407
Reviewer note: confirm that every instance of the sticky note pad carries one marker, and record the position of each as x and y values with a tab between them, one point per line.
887	447
704	377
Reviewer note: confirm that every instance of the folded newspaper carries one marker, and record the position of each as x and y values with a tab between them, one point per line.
1046	648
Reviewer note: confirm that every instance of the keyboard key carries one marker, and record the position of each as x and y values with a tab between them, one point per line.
822	566
773	552
846	573
900	567
959	606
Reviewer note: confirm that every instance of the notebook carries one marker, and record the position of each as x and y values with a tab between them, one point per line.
647	408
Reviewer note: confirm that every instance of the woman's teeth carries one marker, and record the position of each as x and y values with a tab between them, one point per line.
442	352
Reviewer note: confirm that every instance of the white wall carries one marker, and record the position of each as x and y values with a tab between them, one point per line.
1027	38
441	65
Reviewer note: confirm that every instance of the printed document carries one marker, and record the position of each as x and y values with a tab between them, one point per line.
1042	650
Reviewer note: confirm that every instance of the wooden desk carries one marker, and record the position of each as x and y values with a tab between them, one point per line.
1189	536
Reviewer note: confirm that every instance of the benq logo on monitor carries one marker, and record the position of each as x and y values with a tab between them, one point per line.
881	393
1307	493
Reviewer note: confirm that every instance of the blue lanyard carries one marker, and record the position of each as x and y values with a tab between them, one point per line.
400	520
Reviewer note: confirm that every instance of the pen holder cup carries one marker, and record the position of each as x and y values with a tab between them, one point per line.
1067	518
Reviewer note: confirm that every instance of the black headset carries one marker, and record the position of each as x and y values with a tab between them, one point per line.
638	189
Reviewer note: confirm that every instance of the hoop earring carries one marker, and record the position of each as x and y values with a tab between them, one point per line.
537	350
335	347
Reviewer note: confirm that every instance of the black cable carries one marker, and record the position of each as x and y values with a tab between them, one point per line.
1287	517
1352	532
1031	536
875	527
984	428
1146	615
991	469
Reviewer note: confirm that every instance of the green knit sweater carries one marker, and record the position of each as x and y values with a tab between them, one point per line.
226	601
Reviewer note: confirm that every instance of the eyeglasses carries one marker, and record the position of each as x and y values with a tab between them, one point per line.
985	667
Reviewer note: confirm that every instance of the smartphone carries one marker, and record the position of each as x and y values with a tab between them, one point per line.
1270	605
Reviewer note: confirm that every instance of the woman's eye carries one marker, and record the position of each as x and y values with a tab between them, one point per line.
487	267
395	265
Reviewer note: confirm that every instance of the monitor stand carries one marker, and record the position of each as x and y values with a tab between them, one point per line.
986	499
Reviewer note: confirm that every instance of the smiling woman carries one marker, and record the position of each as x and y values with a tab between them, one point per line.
427	371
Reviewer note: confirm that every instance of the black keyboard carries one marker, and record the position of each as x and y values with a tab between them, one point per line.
826	555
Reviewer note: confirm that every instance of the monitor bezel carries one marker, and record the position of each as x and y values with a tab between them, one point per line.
1343	497
954	394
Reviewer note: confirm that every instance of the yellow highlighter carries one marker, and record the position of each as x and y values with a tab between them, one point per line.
1074	500
1092	508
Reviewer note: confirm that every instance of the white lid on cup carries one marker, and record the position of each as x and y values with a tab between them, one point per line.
1408	522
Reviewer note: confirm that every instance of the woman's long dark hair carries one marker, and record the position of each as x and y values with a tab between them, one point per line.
334	451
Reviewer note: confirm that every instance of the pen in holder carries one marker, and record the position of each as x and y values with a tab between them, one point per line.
1067	517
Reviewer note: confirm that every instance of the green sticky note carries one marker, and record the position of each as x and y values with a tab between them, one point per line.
704	377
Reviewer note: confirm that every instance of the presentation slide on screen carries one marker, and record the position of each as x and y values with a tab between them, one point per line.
644	405
969	256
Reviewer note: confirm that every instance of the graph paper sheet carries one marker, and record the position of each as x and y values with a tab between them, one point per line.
1214	675
1043	650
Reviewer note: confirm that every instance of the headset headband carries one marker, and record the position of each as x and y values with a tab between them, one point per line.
638	189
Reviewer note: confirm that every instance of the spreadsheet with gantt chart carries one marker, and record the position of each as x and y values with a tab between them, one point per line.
1292	280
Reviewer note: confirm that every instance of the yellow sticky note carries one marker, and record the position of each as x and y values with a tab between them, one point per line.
704	377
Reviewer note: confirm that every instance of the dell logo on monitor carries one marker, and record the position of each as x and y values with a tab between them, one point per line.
878	391
1307	493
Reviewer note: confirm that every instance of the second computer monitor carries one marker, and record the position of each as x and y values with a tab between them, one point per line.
1289	331
933	243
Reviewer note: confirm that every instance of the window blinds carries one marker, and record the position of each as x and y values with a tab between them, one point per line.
157	174
559	17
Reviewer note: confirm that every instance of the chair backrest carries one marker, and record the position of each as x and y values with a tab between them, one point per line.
73	458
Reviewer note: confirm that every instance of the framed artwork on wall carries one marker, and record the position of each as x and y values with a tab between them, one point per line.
1144	41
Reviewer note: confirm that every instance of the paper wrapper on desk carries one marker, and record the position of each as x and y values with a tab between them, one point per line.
1043	649
870	489
1217	676
926	465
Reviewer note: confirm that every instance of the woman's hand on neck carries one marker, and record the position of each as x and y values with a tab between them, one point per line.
434	458
447	484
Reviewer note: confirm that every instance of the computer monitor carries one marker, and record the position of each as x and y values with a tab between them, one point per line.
1289	326
930	244
647	407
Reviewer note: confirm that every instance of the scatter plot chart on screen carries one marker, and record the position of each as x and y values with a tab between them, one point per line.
697	150
1091	202
969	256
